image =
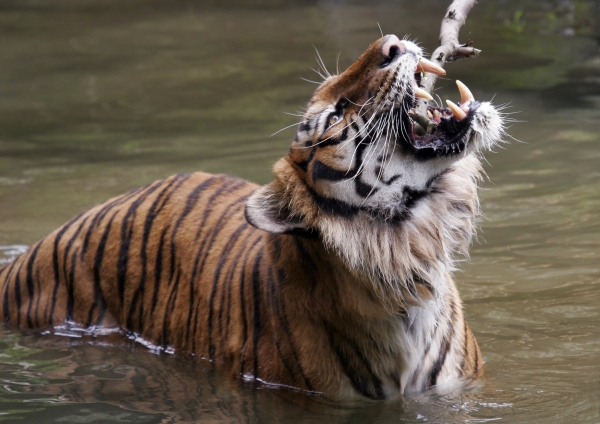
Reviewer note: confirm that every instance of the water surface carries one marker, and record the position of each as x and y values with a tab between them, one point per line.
98	97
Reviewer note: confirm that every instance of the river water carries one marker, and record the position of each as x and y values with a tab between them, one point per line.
101	96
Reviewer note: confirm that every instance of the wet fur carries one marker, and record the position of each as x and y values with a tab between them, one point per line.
334	278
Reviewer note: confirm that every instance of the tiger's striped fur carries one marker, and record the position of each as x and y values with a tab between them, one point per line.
335	277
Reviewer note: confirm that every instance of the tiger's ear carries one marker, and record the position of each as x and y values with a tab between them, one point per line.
264	212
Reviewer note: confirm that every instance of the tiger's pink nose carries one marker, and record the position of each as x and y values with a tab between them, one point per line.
392	47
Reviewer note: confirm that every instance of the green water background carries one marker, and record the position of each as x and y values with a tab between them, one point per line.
101	96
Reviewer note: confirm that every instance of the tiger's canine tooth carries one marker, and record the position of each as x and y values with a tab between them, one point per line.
425	65
422	94
465	94
456	111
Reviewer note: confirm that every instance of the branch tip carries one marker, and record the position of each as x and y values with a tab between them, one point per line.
448	51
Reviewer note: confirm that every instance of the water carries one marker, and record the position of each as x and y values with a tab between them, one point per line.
97	97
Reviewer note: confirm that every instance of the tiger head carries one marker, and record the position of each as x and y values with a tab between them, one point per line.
358	157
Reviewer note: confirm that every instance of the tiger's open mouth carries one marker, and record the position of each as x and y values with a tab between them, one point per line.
449	135
446	131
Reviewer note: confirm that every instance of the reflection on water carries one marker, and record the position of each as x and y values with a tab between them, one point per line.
98	97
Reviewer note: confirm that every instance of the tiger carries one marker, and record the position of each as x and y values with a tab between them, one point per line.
335	278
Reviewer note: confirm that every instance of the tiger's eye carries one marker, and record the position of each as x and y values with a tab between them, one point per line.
334	119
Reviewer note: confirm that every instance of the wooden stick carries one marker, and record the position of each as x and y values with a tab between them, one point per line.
448	51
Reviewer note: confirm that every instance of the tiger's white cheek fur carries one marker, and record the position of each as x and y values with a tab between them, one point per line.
383	171
488	128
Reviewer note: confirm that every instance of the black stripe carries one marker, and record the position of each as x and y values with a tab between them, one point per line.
304	164
444	347
411	196
55	267
192	304
392	179
273	302
191	301
243	310
355	365
416	373
70	280
70	286
29	281
169	310
244	247
305	126
320	171
465	346
99	301
437	365
363	189
18	294
6	287
245	263
332	206
158	267
256	313
5	304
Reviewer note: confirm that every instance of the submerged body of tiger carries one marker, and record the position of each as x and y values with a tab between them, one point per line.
333	278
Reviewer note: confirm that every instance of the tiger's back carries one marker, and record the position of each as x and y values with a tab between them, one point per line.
131	261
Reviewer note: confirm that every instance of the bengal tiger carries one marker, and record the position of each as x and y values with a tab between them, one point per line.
334	278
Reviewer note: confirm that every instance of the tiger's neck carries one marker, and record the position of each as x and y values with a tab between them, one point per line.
396	258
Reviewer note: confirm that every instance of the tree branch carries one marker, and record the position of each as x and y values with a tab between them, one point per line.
448	51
